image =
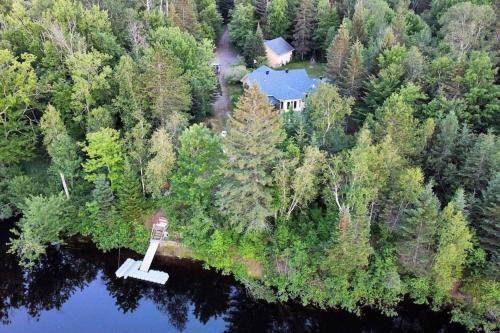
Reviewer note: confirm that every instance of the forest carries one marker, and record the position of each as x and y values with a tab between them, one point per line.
386	187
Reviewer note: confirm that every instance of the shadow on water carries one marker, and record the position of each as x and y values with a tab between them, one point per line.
75	288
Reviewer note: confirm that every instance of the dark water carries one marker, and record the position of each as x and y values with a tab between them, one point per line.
74	290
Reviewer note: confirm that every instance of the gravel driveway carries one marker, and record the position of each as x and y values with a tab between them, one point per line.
225	56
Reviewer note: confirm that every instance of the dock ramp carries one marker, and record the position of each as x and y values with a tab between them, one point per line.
140	269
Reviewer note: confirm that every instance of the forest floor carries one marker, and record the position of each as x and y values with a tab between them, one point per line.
225	56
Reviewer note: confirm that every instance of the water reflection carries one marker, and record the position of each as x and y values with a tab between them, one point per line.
65	286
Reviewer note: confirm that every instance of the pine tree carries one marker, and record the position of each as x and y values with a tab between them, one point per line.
261	7
482	161
187	18
326	19
446	156
130	200
417	236
304	28
337	55
103	196
254	132
254	49
389	78
488	226
242	23
358	25
352	77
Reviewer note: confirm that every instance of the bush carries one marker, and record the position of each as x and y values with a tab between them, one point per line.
235	74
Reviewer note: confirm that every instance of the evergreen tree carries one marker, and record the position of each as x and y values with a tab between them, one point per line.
242	23
454	242
483	93
448	150
254	132
277	19
304	28
199	164
352	75
396	118
417	236
187	18
401	194
338	52
327	20
254	49
389	78
358	25
488	225
261	8
482	161
103	197
166	86
130	202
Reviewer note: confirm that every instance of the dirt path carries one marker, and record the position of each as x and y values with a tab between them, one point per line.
225	56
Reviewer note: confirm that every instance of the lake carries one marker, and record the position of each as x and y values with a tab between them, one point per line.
73	289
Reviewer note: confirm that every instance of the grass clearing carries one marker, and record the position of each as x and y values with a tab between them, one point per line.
314	70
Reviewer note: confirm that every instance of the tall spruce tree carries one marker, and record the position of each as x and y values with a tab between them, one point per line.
358	24
352	76
338	53
488	225
327	20
254	49
447	153
304	28
242	23
255	130
418	232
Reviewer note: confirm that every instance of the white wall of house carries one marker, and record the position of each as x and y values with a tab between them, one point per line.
276	60
294	104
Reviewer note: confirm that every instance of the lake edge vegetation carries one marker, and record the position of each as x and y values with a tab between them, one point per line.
386	186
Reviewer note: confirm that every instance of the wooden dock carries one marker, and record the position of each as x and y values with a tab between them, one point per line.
140	269
131	268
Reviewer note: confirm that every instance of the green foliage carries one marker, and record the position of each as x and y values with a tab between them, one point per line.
327	111
465	26
161	164
42	223
105	155
418	232
198	170
277	20
454	243
255	130
242	23
339	188
254	49
17	84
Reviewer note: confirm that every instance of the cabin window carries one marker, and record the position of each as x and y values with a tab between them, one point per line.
294	104
281	105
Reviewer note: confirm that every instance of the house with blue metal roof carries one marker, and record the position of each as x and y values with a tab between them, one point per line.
286	89
278	52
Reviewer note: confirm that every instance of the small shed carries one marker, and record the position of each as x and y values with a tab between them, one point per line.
278	52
